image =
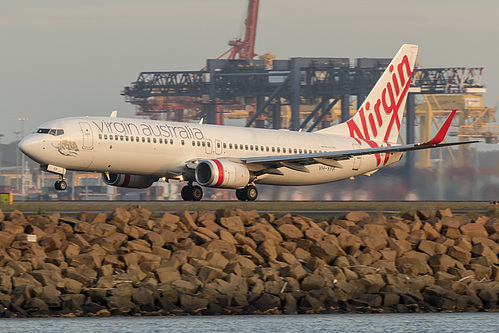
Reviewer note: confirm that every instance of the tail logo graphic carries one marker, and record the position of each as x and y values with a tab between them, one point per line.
392	96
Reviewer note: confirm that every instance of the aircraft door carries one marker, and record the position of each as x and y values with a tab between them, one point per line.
218	147
356	159
208	146
88	138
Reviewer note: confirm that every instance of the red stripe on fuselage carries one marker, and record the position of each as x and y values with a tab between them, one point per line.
220	179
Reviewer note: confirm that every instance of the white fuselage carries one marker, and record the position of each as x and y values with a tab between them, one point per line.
162	149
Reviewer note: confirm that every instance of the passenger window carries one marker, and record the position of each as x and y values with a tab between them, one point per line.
171	141
100	136
267	148
199	144
182	142
160	140
126	138
241	146
251	147
246	147
225	145
278	149
143	139
105	136
209	144
154	140
256	148
235	146
218	144
148	140
116	137
137	139
110	137
131	138
203	143
193	143
300	151
284	150
230	145
296	152
273	149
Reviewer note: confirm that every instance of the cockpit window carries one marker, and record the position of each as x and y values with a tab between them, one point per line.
50	131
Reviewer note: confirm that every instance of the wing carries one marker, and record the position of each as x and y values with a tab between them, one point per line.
299	161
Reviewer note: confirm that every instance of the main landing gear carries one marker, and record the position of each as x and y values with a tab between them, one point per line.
191	192
249	193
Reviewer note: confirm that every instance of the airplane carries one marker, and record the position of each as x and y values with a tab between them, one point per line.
135	153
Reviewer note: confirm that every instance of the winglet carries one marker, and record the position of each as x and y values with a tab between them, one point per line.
442	132
114	114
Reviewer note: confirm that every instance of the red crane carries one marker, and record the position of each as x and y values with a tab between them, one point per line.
245	49
240	49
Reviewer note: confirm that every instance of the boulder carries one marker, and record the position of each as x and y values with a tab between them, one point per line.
431	248
290	232
193	303
441	262
233	224
480	249
144	296
312	282
295	271
356	216
375	242
460	254
474	230
267	302
492	225
325	250
444	213
121	215
167	274
414	263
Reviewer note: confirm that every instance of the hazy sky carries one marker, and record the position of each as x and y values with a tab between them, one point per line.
68	58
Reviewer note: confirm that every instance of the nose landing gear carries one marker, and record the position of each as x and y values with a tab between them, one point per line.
61	185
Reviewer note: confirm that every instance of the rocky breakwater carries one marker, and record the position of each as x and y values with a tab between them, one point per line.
236	262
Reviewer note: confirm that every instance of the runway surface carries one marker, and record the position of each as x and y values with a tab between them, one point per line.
307	208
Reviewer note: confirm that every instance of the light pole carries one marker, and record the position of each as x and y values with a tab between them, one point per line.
17	160
23	174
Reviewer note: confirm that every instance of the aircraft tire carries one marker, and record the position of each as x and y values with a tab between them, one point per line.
186	193
61	185
240	194
251	193
196	193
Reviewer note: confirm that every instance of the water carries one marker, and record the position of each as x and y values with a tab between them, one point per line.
435	322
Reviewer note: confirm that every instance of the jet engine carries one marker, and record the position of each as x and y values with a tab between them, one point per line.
131	181
222	173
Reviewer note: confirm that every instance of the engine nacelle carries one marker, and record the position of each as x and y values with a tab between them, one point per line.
222	173
131	181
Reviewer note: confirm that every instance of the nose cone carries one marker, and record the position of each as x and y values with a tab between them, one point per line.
30	146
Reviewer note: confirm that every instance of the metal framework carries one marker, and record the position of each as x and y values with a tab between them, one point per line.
292	82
